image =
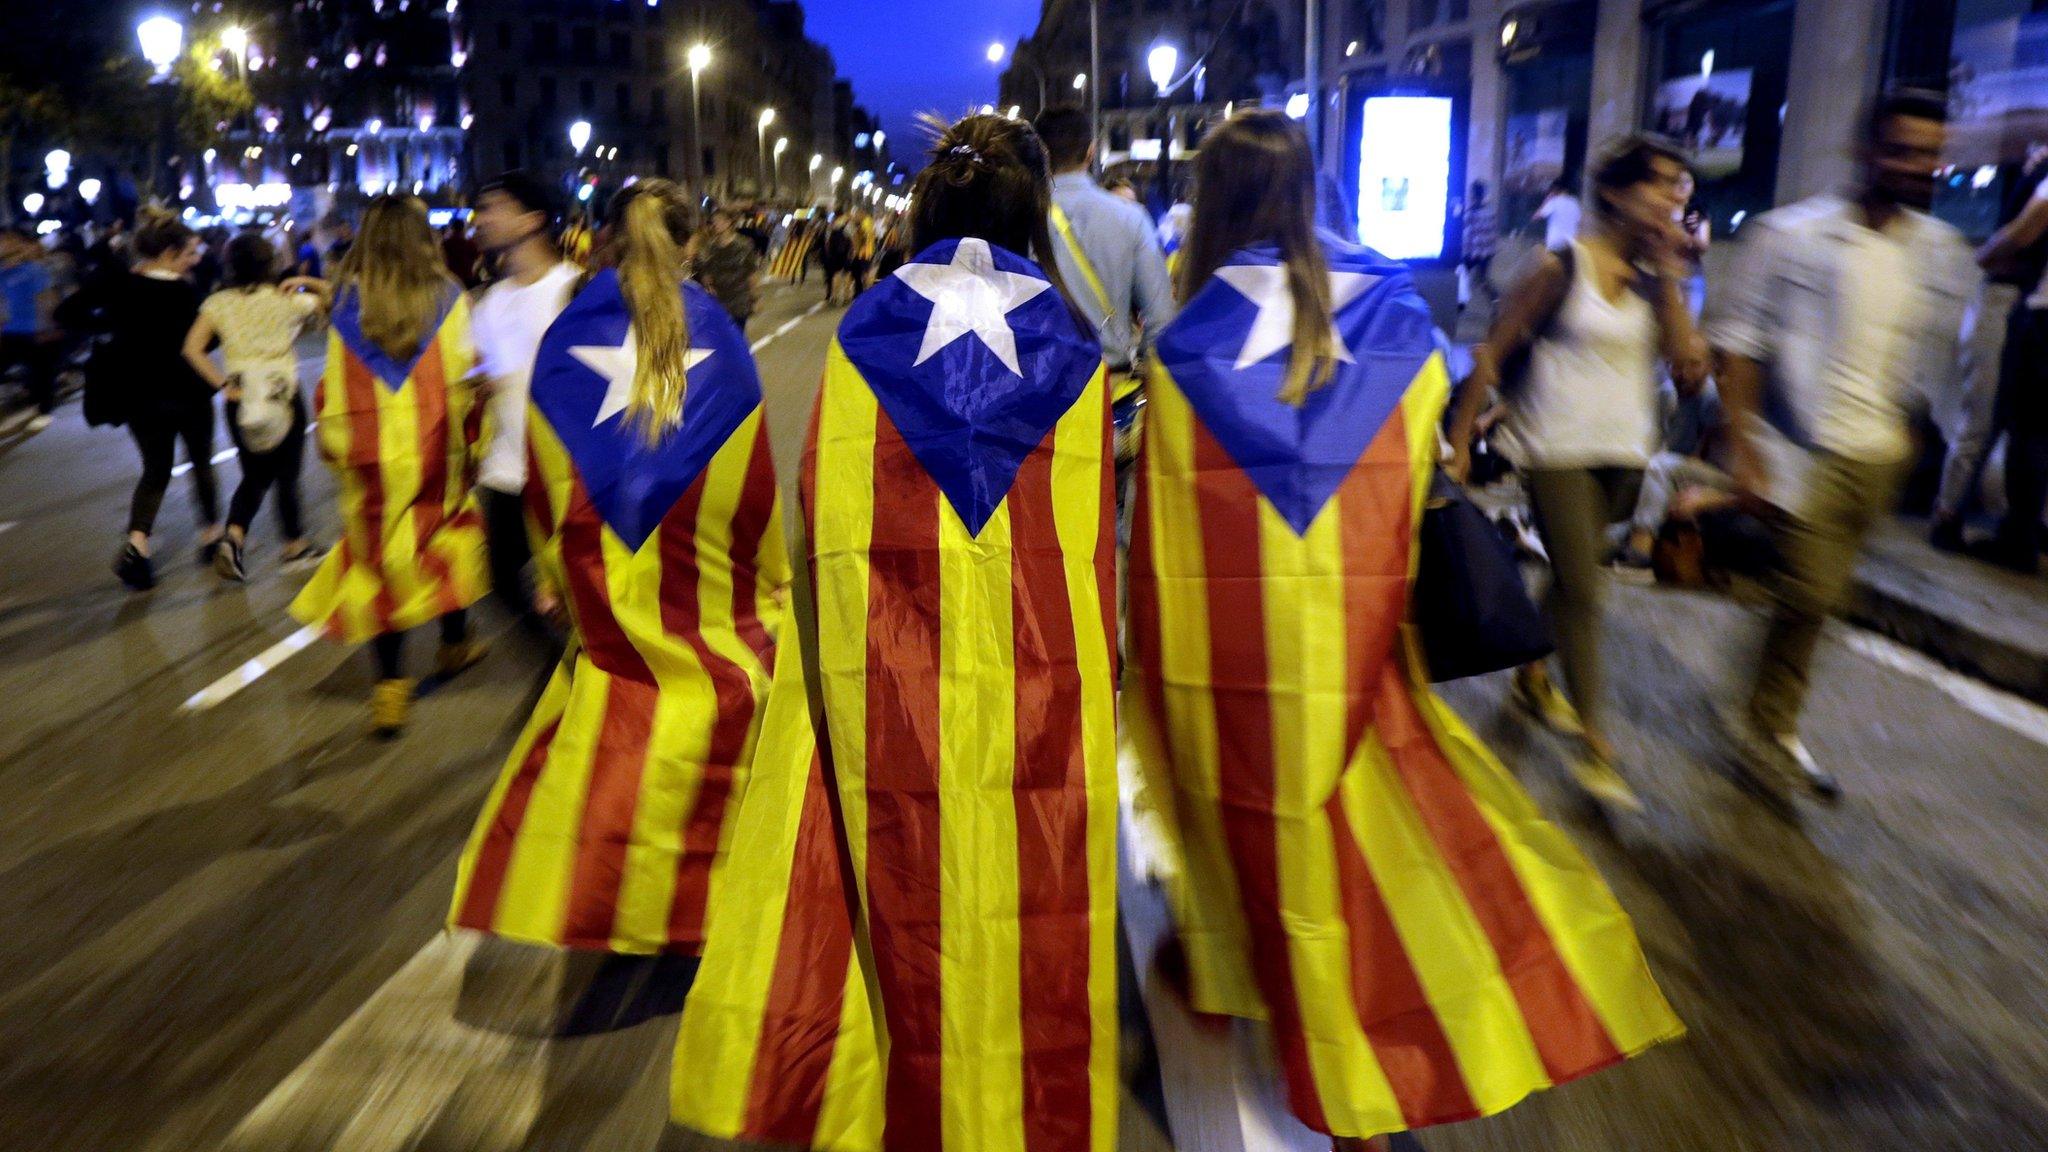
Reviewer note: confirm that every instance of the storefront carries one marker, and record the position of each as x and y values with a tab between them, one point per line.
1718	75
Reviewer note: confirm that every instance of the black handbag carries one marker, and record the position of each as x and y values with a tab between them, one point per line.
1470	605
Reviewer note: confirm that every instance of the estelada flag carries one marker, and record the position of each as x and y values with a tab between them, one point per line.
957	492
778	1044
1357	868
400	436
606	829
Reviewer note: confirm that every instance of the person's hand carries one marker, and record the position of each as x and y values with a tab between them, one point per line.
232	390
548	605
1459	466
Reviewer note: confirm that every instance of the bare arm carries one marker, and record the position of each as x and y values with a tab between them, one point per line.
2026	228
1683	346
197	340
1524	312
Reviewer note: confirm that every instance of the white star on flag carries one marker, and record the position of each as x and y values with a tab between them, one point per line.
971	295
618	367
1273	328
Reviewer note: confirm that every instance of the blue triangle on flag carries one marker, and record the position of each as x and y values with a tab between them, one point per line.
969	419
631	483
1299	456
348	324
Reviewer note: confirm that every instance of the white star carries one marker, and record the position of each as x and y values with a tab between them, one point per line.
971	295
1273	329
618	367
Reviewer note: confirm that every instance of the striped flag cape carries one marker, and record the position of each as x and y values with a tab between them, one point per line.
957	493
1356	867
778	1043
796	248
399	436
607	828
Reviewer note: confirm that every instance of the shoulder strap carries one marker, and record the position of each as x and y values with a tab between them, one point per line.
1065	228
1569	257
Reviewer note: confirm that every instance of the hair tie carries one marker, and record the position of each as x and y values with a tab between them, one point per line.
967	150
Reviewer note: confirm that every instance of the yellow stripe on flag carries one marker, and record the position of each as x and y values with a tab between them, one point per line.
542	864
553	699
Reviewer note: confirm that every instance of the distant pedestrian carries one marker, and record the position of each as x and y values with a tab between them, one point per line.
1592	320
146	314
1482	240
258	322
29	336
1559	214
2020	408
397	423
727	265
1697	236
834	255
517	215
1847	304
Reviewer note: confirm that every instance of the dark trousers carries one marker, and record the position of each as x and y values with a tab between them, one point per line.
388	650
278	467
38	358
2022	413
511	552
156	435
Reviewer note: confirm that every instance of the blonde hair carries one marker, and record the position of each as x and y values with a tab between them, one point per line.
652	220
400	280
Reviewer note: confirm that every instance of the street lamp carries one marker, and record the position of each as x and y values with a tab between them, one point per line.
698	58
235	39
162	38
1080	81
1161	63
579	135
89	190
32	203
881	139
761	141
995	53
781	146
57	167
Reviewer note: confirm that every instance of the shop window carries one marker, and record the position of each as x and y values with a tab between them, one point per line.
1719	90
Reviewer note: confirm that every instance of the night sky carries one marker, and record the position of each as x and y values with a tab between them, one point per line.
910	56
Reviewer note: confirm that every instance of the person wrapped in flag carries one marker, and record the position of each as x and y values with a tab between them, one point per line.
398	422
1353	865
957	511
654	499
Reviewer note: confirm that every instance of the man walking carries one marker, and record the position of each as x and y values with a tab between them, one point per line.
516	220
29	335
1848	305
726	265
1482	240
1105	246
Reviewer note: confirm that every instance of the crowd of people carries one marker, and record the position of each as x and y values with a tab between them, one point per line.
889	733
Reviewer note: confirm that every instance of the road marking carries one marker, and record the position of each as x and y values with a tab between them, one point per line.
7	524
251	670
220	457
770	338
2021	716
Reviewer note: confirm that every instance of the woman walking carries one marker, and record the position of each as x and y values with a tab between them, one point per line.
398	423
956	494
1352	865
258	322
1592	320
654	498
146	314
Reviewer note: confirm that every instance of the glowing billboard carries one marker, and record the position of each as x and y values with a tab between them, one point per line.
1404	175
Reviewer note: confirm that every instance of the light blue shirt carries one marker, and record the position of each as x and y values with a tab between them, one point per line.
21	290
1122	247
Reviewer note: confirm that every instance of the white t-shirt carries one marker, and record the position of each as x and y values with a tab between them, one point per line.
1589	398
1859	416
1560	216
507	325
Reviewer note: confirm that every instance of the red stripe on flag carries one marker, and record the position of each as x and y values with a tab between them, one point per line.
609	803
494	855
1050	783
1568	1033
682	616
1393	1010
1373	507
534	493
589	595
429	509
1232	560
903	781
800	1025
749	524
363	443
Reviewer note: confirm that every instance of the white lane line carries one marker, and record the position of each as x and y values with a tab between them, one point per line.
7	524
770	338
251	670
220	457
2020	716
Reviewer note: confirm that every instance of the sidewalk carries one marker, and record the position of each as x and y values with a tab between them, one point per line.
1981	620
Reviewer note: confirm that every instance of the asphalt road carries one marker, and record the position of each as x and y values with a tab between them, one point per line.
220	926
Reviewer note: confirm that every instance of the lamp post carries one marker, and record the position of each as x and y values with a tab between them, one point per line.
775	184
699	58
761	141
579	136
235	39
161	39
1161	63
995	56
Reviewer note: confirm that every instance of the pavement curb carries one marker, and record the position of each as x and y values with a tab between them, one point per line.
1982	622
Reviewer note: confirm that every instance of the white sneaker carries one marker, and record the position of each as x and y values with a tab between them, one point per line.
38	422
1793	749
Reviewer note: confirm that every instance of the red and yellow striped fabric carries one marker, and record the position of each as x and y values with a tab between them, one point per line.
400	441
1358	868
796	248
607	828
778	1042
